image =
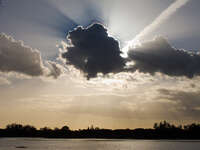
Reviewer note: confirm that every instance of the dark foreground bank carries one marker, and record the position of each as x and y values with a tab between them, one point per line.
162	130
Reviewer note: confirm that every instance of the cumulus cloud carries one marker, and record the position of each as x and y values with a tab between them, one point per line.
56	69
93	51
16	57
159	56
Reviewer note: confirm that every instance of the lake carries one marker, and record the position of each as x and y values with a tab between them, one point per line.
95	144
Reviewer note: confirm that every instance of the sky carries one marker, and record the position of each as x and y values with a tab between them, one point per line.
109	63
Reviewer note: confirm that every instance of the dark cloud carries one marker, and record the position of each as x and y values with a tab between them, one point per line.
158	56
16	57
93	51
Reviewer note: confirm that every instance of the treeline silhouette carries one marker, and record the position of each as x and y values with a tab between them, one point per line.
162	130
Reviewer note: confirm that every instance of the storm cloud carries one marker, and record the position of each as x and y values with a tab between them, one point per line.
159	56
93	51
16	57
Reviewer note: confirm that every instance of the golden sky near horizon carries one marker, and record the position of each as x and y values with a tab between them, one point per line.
159	81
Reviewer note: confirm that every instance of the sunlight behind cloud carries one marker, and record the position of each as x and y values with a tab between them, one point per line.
98	84
166	14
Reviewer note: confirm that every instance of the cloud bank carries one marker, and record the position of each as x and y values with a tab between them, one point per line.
158	56
16	57
92	51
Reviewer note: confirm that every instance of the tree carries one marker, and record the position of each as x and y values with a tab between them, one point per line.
155	126
65	128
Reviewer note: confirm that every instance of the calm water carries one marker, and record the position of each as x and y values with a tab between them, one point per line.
68	144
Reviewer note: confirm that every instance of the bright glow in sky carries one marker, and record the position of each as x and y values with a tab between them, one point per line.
60	94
